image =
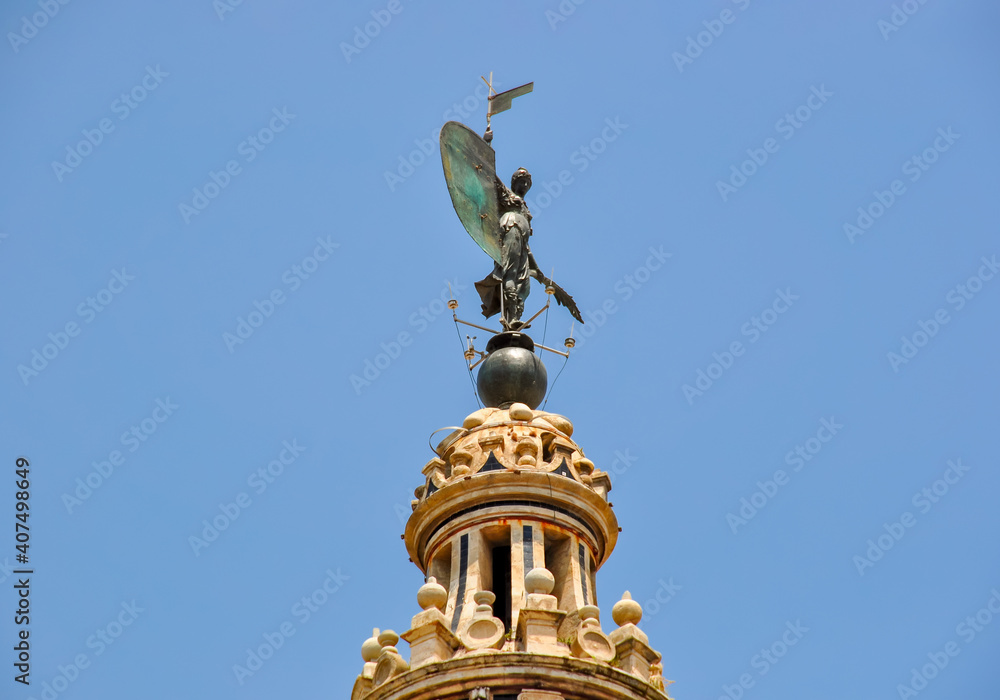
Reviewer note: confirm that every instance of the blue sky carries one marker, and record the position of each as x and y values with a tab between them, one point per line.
777	218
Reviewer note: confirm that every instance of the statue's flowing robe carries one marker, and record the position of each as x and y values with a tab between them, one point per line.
514	265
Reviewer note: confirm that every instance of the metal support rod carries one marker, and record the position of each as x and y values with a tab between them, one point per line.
482	328
557	352
528	322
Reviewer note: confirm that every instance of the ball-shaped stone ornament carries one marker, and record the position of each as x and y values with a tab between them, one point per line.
432	595
626	611
371	649
539	580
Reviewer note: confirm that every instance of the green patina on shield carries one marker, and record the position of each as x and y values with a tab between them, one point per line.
470	170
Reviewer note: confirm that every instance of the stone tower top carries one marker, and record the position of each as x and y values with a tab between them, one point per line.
509	527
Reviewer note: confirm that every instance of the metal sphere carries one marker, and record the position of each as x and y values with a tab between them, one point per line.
511	372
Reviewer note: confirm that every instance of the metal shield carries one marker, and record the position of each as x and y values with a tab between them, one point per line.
470	170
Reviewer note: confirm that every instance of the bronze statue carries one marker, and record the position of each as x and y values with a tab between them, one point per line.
496	217
505	289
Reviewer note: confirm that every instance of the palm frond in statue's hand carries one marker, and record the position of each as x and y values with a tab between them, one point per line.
562	297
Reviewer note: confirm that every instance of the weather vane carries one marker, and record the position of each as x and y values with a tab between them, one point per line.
498	219
496	216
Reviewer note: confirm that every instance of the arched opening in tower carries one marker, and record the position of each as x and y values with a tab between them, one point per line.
502	585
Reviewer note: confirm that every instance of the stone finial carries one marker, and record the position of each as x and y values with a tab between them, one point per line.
539	619
483	630
635	656
432	595
590	641
626	611
539	580
371	648
590	612
484	601
390	663
526	451
388	638
430	636
461	461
